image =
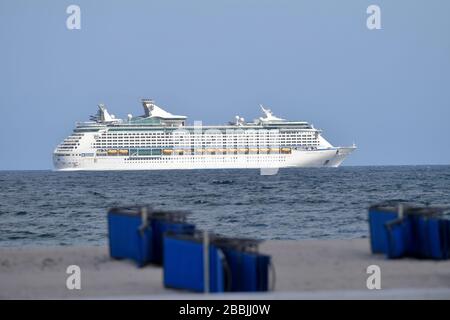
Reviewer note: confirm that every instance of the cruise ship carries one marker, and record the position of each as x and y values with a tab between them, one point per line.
159	140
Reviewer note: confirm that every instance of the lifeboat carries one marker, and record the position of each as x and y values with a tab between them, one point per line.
242	150
167	152
264	150
123	152
253	150
274	150
285	150
112	152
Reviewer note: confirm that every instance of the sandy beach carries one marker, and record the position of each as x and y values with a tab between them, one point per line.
304	269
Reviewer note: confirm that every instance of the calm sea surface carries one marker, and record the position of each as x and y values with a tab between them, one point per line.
63	208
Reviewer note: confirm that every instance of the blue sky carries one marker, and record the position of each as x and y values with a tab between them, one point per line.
387	90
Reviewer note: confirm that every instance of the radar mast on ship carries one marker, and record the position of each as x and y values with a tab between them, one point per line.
269	115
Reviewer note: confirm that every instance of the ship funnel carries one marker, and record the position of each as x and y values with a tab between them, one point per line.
153	111
148	105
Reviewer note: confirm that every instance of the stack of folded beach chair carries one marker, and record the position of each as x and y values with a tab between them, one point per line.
400	229
191	259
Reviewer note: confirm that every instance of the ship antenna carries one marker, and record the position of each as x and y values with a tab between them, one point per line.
262	108
267	112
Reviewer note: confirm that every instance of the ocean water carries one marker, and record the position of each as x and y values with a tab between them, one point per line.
67	208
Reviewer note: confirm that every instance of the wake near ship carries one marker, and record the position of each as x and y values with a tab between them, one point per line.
159	140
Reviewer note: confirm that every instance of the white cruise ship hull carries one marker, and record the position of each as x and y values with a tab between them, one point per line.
331	157
159	140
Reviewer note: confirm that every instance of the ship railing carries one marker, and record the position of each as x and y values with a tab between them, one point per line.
88	124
